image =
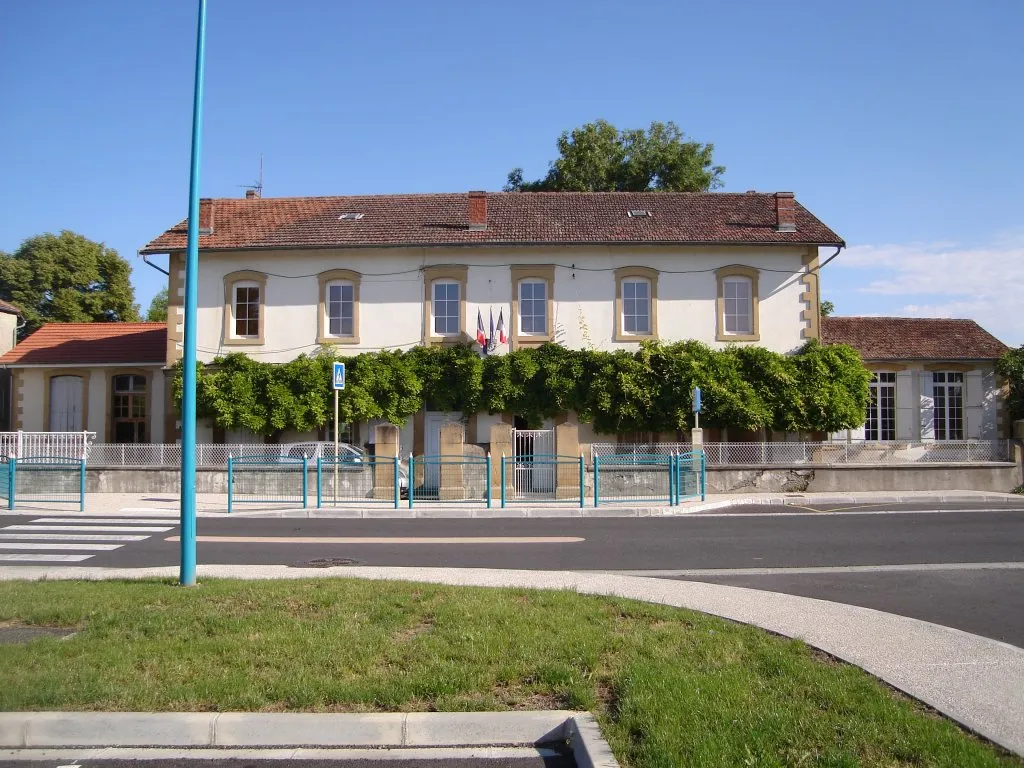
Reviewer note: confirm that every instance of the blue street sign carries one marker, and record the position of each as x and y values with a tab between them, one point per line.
696	399
339	376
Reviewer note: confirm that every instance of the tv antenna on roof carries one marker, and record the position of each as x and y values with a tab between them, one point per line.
255	190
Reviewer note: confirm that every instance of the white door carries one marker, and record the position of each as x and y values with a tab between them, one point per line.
66	404
432	423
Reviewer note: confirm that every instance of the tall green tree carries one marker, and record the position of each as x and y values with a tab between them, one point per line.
67	278
1011	366
597	157
157	312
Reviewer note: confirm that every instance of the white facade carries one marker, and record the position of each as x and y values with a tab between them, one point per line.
391	294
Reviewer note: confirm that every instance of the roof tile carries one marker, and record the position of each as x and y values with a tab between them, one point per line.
7	307
91	343
912	338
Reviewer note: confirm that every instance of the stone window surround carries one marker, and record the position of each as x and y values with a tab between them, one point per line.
751	273
230	281
643	273
541	273
454	273
324	279
111	374
51	373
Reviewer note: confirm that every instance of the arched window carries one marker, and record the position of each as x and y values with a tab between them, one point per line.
244	307
636	304
444	303
338	321
737	304
533	305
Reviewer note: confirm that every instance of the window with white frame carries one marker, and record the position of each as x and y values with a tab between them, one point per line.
737	293
881	421
533	307
636	306
340	308
948	405
444	307
247	309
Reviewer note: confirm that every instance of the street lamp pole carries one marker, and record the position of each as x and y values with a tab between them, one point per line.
187	571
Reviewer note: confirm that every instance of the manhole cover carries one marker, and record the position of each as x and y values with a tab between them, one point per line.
327	562
16	635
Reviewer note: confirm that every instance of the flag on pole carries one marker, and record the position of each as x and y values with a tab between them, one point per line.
502	338
480	337
492	341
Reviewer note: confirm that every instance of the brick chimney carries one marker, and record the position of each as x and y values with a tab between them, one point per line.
206	216
478	210
252	194
785	212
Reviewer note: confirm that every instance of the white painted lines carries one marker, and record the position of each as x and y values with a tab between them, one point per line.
41	539
386	539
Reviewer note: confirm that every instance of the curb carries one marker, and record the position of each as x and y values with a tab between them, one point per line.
380	731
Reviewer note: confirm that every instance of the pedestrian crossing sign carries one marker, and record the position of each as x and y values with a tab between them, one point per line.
339	375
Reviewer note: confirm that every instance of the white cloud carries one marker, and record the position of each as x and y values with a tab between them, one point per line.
944	279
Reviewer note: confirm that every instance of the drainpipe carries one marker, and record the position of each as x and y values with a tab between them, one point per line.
826	261
157	267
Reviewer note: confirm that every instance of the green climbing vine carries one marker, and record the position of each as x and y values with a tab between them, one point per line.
820	388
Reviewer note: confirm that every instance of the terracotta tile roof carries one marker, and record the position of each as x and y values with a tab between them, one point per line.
512	218
9	308
91	343
912	338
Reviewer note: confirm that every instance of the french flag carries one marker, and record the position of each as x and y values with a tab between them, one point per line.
481	336
502	338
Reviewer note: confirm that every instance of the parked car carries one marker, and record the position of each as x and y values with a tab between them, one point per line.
348	453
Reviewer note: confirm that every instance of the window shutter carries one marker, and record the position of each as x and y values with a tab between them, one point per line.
927	407
905	410
973	398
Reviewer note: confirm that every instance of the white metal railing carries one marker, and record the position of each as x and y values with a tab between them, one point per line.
853	452
69	445
208	454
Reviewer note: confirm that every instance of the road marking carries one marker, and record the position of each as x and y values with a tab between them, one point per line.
116	520
87	528
810	570
820	513
69	537
48	545
384	540
43	558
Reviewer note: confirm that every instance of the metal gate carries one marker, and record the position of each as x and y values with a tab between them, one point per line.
532	476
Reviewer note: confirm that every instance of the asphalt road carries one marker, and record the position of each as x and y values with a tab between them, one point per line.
962	566
187	762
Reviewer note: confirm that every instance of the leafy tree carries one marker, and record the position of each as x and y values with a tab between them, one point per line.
158	308
1011	366
597	157
827	308
67	278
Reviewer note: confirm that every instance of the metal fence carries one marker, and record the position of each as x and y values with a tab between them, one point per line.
689	475
257	480
634	476
824	453
43	480
374	481
71	445
451	479
544	478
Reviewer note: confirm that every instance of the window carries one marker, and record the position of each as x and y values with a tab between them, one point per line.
128	409
245	297
533	307
636	307
338	314
636	304
444	304
948	405
737	304
881	421
247	310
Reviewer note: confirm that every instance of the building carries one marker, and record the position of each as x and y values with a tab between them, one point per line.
932	379
10	316
105	378
279	277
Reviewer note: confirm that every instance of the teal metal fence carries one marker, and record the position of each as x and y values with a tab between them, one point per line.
634	477
450	479
542	478
371	481
689	476
263	480
43	480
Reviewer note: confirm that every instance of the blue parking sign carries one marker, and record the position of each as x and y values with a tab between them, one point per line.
339	375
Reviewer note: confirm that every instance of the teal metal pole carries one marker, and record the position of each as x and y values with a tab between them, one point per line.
305	481
703	477
319	481
672	479
187	570
502	481
231	481
582	484
412	477
597	479
488	480
81	485
394	476
11	484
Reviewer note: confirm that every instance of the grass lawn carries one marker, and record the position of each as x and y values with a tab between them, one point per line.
670	687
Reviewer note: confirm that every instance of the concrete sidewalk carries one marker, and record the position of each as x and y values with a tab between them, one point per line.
976	681
215	505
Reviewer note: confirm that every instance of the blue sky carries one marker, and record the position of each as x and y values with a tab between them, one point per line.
898	124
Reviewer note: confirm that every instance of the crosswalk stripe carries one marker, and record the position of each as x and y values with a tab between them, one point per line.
50	545
69	537
43	558
115	520
88	528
